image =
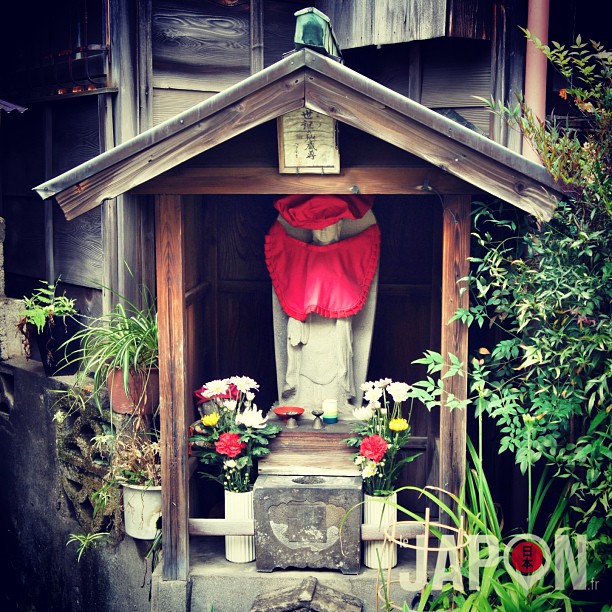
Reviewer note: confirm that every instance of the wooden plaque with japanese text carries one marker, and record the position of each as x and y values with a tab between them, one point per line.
307	143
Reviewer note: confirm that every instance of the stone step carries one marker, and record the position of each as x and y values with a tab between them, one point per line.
217	584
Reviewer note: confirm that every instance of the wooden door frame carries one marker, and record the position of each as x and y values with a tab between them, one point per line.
175	397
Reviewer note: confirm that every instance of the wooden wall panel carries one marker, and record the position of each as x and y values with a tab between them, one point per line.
246	341
455	71
77	245
257	147
279	27
359	23
243	222
75	133
77	248
24	246
195	40
170	102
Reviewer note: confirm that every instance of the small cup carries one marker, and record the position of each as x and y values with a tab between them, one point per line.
330	411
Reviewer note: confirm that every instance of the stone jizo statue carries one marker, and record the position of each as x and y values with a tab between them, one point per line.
322	254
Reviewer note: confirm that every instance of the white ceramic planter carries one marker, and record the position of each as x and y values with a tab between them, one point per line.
377	514
239	549
141	509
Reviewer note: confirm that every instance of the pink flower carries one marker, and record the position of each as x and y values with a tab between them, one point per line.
374	447
229	444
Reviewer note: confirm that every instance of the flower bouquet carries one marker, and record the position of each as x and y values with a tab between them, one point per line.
380	434
232	432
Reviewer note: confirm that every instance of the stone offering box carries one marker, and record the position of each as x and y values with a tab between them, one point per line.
299	522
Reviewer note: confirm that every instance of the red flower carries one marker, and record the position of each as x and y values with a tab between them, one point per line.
373	448
229	444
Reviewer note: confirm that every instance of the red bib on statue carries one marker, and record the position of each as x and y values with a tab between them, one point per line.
331	280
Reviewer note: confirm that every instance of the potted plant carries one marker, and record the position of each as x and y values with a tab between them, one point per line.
119	350
231	435
380	434
49	320
136	467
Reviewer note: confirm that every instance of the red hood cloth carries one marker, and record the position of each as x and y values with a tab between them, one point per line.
331	280
318	211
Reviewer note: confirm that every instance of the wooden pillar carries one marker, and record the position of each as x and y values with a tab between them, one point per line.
174	396
454	338
257	36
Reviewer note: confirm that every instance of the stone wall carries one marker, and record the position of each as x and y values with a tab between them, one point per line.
38	570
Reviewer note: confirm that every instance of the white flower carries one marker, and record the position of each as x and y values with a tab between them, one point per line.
252	418
363	413
250	396
398	391
359	459
244	383
382	383
230	464
373	394
369	470
366	386
230	404
216	387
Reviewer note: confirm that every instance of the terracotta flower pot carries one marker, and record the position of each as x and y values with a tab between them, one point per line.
144	391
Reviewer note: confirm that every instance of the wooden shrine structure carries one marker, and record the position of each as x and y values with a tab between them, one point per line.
175	162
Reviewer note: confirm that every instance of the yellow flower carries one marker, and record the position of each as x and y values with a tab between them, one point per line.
210	420
398	424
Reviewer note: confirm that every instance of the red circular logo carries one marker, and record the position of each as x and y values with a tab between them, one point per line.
527	557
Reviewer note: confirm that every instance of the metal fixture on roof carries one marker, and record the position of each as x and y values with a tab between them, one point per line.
313	30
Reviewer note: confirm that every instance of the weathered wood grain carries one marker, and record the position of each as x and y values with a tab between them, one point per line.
454	340
77	248
168	103
358	23
200	34
174	394
262	180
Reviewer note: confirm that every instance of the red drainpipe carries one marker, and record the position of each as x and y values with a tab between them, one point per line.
535	66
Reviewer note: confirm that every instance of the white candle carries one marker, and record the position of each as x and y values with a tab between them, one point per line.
330	410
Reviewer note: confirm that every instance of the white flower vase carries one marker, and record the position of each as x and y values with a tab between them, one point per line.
378	515
141	508
239	549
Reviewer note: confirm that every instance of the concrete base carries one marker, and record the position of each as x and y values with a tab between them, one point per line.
170	595
217	584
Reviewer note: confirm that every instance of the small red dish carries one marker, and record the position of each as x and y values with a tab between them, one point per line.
284	412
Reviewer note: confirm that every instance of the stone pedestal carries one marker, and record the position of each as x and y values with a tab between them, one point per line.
298	519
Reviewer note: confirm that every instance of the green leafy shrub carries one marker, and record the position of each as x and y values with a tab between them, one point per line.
548	288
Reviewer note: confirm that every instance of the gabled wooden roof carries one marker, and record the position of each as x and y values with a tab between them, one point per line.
307	79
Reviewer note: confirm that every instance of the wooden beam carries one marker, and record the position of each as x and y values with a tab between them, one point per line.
454	339
174	397
233	527
263	180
